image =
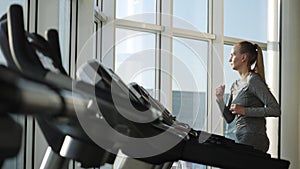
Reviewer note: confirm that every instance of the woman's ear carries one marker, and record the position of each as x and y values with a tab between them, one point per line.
244	57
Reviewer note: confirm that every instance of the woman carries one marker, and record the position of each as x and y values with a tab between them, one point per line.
250	99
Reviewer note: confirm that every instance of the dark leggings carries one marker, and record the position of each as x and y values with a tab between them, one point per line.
258	141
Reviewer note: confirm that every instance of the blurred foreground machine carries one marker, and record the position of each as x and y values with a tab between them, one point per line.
91	119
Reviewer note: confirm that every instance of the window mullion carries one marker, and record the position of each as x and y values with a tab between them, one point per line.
193	34
147	27
108	33
166	53
215	121
232	41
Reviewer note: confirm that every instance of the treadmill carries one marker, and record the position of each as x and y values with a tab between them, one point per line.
61	132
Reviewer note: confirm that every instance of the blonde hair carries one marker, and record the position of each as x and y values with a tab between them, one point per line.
255	55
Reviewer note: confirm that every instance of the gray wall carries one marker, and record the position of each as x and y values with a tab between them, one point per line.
290	82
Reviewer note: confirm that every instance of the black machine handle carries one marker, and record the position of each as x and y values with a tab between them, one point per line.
23	56
4	44
53	40
30	96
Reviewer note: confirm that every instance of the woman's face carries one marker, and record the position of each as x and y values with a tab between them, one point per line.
236	59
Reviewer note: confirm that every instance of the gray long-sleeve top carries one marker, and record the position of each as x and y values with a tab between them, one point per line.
252	93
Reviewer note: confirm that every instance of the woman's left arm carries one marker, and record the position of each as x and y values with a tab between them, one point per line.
261	91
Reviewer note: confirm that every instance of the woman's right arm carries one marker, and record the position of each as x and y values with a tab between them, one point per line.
229	117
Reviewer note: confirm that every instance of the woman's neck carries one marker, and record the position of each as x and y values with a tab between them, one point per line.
244	73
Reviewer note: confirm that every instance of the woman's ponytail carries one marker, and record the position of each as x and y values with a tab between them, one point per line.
259	65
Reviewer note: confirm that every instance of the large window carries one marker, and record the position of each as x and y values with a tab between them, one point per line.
138	55
135	57
196	17
189	86
246	19
136	10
